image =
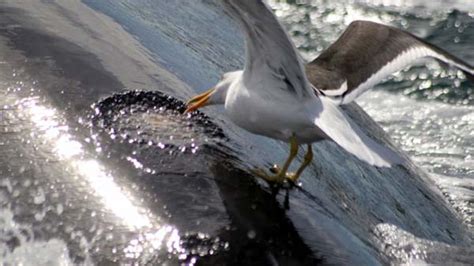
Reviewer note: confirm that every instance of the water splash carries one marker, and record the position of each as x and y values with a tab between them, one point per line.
18	245
53	131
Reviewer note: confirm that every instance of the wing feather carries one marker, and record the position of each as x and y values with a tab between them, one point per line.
367	53
270	51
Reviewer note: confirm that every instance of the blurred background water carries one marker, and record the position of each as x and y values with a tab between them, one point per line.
85	180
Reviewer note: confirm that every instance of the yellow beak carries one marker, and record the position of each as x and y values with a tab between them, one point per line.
199	101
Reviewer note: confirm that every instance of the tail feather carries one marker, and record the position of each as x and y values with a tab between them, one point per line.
332	120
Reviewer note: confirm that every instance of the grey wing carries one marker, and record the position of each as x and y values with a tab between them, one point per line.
268	47
365	54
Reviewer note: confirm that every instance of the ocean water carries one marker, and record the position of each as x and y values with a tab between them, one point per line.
97	166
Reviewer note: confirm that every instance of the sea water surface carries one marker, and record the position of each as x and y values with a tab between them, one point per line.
97	166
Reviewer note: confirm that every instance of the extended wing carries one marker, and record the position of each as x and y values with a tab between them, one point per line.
269	49
365	54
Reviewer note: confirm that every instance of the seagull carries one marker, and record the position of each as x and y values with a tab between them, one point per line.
276	96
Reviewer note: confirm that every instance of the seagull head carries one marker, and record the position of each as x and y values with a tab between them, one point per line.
215	95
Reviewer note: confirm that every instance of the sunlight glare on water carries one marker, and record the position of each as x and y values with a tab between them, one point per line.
71	152
115	198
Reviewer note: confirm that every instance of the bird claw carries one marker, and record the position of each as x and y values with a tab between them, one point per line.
277	178
291	177
275	169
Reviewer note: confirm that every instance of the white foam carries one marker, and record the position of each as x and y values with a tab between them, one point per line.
52	253
404	248
29	251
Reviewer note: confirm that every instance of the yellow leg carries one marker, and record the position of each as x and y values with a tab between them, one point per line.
281	175
307	160
293	152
